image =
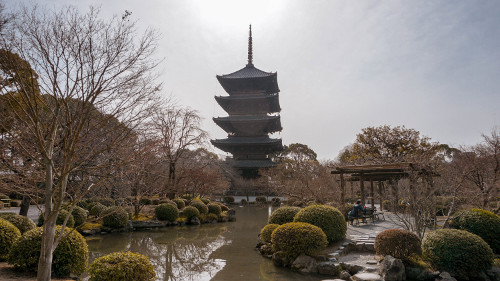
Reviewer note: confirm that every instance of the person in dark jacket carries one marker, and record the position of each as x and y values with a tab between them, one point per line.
357	210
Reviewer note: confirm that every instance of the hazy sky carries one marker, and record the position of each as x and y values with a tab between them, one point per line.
342	65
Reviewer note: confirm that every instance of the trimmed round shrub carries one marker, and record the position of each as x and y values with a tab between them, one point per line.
244	202
60	219
457	251
80	215
115	217
21	222
179	202
123	266
214	209
70	256
97	209
484	224
166	212
261	199
266	231
205	200
296	238
212	217
283	215
200	206
228	199
190	212
328	218
108	202
399	243
223	207
8	236
145	201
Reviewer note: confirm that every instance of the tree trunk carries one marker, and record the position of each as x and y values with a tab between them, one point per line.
25	206
49	228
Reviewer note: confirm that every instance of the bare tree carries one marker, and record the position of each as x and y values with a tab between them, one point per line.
178	130
94	77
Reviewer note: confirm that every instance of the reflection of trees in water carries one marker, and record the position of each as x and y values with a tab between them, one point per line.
183	253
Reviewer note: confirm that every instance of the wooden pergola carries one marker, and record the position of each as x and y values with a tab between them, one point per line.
376	173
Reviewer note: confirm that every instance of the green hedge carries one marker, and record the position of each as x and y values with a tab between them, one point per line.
60	219
115	217
8	236
122	266
214	209
21	222
70	256
399	243
266	231
190	212
166	212
283	215
200	206
328	218
96	209
79	214
179	202
458	252
296	238
483	223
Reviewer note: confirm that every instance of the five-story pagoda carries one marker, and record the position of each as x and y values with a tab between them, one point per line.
253	108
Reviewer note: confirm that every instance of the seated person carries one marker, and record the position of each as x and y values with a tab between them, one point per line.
355	212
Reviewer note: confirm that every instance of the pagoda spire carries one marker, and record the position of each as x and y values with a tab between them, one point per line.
250	51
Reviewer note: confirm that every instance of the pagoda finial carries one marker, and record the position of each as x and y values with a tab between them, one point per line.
250	51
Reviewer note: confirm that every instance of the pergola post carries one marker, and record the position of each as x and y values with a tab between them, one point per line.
342	189
381	197
372	200
362	189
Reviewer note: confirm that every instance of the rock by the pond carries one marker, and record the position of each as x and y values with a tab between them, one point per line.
305	264
494	273
445	276
195	221
352	268
280	259
364	276
328	268
344	275
420	274
266	250
231	214
392	269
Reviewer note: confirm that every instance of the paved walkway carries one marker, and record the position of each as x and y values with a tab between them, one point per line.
33	212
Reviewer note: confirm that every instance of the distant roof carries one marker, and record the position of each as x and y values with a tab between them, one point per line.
249	71
254	163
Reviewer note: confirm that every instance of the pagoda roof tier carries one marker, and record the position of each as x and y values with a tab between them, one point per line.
248	145
249	104
249	125
249	79
249	164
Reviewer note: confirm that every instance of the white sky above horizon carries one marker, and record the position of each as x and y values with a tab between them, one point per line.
433	66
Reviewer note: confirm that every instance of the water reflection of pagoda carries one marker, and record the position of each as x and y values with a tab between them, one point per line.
253	107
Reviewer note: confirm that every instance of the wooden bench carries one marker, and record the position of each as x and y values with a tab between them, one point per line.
6	202
369	214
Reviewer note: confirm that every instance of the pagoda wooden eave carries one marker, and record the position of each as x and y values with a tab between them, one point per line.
249	125
249	104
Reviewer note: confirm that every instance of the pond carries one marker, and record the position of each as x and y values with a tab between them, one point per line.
223	251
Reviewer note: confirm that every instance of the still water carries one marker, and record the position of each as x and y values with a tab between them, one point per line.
223	251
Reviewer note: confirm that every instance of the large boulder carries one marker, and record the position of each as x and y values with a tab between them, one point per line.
392	269
445	276
420	274
305	264
280	258
328	268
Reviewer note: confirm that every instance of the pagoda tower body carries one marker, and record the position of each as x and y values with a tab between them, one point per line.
253	109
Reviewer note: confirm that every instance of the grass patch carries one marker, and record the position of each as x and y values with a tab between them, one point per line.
142	217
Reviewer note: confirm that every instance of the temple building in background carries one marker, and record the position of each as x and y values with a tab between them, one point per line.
253	108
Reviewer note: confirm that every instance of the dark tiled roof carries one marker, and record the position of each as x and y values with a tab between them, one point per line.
253	163
247	140
236	118
248	71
